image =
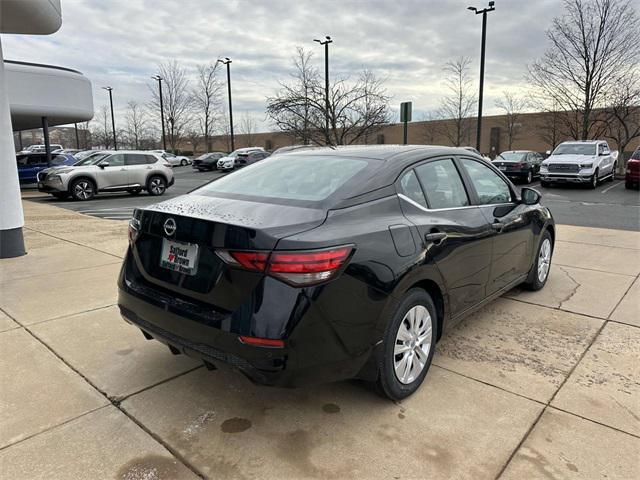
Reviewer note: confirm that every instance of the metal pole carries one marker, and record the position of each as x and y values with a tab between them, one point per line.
233	145
47	142
20	139
75	126
404	136
482	52
326	88
164	138
113	122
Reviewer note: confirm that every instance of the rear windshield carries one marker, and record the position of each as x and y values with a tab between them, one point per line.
575	149
302	178
636	154
511	157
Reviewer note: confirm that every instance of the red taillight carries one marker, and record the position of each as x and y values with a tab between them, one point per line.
251	260
262	342
294	267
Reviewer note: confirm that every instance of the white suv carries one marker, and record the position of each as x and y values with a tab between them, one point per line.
588	162
123	170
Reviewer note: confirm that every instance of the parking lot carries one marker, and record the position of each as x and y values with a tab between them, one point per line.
610	205
534	385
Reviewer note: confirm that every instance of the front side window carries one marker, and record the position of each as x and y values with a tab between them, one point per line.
488	184
410	187
116	160
442	184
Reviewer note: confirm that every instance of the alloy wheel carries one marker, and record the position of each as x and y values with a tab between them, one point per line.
83	190
157	186
544	260
413	344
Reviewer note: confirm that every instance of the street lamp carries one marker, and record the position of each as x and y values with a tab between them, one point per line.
113	120
227	62
326	43
484	12
164	139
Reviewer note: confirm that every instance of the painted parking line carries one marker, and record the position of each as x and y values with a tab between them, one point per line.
612	186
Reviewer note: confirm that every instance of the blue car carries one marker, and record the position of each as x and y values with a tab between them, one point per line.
29	164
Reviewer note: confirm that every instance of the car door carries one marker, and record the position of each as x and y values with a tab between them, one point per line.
511	223
30	165
453	232
113	175
138	167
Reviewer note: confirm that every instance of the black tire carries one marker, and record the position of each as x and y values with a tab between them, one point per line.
613	172
545	184
389	383
529	178
82	189
533	281
156	185
60	195
183	162
628	185
134	191
593	181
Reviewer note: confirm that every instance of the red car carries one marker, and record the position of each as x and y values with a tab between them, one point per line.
632	175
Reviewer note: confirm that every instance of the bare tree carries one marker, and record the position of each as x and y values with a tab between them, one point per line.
207	98
355	109
622	116
84	133
194	137
593	44
101	134
459	105
511	107
136	119
292	109
178	102
429	129
248	128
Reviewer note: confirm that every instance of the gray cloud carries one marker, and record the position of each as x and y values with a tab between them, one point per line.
120	43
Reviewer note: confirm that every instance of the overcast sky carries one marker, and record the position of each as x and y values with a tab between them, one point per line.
120	43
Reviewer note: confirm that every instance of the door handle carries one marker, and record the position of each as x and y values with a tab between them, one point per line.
497	226
436	237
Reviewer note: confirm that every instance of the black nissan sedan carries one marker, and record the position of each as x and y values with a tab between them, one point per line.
335	264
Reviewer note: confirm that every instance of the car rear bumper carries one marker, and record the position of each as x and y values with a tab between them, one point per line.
313	352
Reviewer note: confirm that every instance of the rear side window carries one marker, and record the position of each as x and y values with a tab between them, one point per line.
410	187
58	160
150	159
442	184
488	184
138	159
309	178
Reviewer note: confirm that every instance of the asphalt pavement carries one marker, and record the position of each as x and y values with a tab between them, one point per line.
610	205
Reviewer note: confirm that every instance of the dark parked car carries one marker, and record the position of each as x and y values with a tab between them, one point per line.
519	164
30	164
248	158
347	262
632	172
208	161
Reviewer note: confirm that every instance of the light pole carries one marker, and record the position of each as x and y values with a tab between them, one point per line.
164	139
113	120
227	62
484	12
326	43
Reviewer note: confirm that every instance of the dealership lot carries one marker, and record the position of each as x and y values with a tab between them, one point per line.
610	205
535	384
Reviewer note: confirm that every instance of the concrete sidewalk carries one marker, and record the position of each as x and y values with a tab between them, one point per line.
536	385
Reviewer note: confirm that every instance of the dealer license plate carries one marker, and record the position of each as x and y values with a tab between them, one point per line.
502	168
179	256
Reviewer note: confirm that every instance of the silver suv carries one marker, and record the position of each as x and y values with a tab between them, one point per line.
125	170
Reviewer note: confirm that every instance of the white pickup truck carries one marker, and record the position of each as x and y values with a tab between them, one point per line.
586	161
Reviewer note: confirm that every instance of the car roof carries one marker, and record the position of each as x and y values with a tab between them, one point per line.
588	142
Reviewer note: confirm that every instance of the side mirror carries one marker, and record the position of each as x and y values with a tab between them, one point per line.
530	196
103	164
